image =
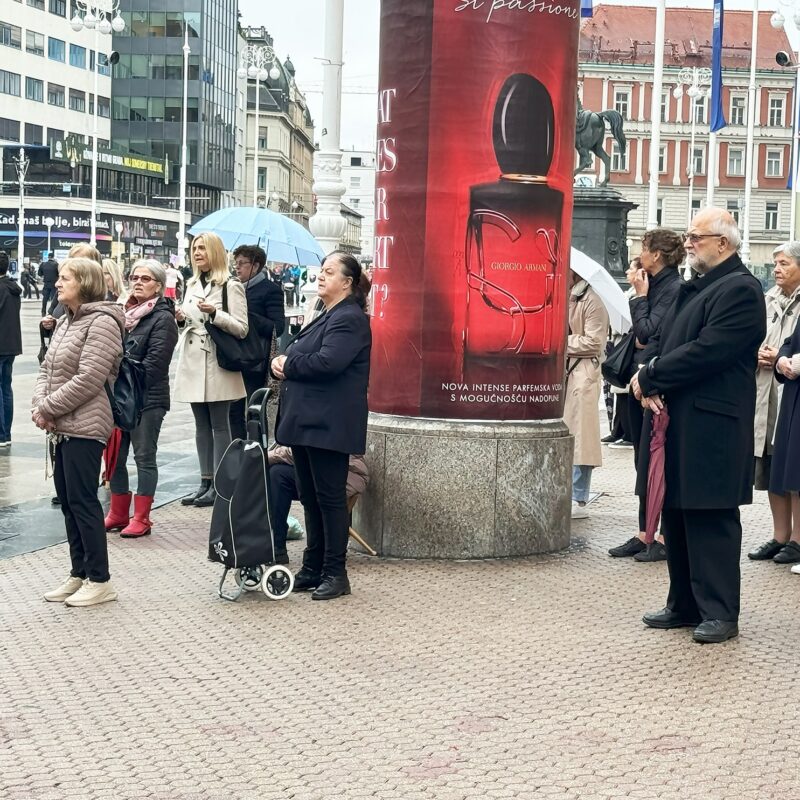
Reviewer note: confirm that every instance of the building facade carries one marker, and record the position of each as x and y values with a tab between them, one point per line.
284	137
147	94
352	237
616	71
358	175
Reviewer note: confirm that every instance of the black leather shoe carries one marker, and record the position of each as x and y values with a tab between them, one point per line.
206	499
306	580
714	631
789	554
766	551
55	501
205	485
655	552
667	618
633	546
330	587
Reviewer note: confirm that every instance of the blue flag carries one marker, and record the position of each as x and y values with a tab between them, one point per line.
586	8
717	113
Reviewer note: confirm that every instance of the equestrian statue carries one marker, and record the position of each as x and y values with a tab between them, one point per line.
590	131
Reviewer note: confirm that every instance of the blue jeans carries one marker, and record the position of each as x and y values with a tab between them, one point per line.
6	398
581	483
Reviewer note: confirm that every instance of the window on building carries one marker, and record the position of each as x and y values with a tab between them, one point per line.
77	100
262	179
174	23
34	90
774	163
665	106
58	7
54	135
699	160
104	107
10	35
695	206
77	56
56	49
777	103
733	209
738	109
735	161
36	4
157	23
155	109
619	162
355	182
55	94
33	134
103	67
355	202
138	109
9	82
355	161
262	138
771	217
660	212
701	110
138	23
622	102
121	108
34	43
9	129
662	158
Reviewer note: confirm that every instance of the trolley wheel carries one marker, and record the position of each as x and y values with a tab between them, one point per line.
249	578
277	582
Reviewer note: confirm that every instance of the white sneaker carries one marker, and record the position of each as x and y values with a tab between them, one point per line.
579	511
5	444
796	569
92	594
67	589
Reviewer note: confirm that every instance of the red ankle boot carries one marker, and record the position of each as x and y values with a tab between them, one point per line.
119	515
140	525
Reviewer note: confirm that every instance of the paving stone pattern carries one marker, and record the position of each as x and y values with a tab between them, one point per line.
524	678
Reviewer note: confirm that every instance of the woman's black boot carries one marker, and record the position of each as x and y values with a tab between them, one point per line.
205	485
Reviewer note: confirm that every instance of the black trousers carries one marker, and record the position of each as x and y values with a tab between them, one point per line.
703	552
48	293
322	484
238	414
76	473
282	491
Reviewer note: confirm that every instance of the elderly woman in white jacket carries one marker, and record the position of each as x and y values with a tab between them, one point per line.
199	379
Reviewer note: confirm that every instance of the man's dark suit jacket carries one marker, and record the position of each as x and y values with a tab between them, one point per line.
323	399
706	369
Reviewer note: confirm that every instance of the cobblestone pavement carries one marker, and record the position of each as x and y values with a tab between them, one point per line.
523	678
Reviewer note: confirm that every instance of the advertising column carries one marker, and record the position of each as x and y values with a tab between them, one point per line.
473	205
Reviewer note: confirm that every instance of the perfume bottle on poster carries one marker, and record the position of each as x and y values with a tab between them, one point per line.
513	232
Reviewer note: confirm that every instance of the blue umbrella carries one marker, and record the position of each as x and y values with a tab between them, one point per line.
283	239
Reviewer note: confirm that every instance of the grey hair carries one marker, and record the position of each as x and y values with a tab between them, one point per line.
790	249
156	270
727	228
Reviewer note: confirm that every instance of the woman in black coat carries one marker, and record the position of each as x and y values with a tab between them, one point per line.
323	417
655	278
785	474
152	334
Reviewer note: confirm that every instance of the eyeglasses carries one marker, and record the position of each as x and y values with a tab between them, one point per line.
694	238
141	279
242	263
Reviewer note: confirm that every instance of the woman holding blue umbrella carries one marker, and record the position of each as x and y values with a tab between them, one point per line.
211	296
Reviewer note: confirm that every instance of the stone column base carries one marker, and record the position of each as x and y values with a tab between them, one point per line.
456	490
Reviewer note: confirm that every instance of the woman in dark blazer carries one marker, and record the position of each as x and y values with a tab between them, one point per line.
323	417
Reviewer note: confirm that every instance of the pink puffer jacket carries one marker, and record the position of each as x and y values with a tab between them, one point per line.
84	353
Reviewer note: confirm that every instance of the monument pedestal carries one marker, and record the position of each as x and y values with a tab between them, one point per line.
456	490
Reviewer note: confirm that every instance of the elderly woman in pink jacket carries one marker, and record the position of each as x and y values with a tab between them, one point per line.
71	404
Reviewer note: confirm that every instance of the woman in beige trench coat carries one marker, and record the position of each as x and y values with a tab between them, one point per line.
588	333
199	379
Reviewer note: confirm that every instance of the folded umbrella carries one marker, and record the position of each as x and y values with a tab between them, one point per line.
599	278
111	454
284	240
656	483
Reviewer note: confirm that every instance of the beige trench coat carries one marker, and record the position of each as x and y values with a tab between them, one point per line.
588	324
198	377
781	321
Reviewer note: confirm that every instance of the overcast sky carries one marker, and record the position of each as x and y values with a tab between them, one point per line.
298	26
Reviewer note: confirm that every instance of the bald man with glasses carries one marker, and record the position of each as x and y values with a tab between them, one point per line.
704	374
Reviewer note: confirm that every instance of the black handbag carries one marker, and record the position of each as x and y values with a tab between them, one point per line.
619	367
234	354
128	395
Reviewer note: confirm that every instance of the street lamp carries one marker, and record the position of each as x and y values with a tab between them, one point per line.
253	66
184	146
118	229
49	221
101	18
699	82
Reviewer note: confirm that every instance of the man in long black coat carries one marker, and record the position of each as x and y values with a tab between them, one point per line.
705	375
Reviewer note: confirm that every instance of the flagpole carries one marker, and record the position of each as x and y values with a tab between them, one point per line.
655	114
795	143
711	172
751	124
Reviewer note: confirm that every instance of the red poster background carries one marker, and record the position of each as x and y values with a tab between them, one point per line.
444	343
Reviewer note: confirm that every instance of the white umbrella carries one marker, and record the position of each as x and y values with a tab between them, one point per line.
599	278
